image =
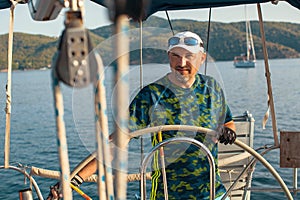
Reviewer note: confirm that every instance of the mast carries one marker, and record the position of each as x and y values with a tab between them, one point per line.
247	33
249	39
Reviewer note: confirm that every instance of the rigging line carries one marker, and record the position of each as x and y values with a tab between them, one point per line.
207	39
79	191
105	186
8	85
169	22
268	75
141	79
163	165
61	136
141	83
122	96
141	54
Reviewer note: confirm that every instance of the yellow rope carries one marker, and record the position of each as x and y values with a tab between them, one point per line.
79	191
163	165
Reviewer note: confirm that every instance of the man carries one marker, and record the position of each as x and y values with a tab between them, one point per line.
182	97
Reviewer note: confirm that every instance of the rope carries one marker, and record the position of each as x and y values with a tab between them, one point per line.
270	94
137	177
199	146
122	91
8	85
99	142
267	114
163	166
207	40
61	138
52	174
141	55
105	184
141	86
170	22
79	191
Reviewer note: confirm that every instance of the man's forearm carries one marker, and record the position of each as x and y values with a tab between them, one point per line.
88	170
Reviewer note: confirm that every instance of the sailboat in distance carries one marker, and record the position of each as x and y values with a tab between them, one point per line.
248	59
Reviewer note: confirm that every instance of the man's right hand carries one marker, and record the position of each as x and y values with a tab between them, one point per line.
226	135
54	192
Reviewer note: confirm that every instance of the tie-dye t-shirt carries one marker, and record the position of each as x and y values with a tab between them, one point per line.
187	168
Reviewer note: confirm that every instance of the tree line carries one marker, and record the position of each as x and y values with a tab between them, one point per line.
226	40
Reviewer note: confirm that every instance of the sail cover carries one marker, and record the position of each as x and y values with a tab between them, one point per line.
162	5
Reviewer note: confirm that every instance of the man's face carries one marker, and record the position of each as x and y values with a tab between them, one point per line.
184	64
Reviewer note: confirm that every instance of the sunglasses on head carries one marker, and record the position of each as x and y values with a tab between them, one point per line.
190	41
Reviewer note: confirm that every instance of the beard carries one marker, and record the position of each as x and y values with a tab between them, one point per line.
181	77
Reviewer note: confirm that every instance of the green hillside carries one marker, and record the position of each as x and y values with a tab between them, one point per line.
29	51
226	41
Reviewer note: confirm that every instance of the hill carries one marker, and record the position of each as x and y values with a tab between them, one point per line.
226	40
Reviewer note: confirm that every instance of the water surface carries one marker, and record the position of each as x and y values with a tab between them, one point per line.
33	129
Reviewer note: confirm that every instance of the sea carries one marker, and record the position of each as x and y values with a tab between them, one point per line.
33	129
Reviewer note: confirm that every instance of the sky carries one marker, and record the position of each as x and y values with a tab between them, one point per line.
96	16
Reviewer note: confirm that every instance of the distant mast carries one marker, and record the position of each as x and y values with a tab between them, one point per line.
249	38
252	44
247	34
248	59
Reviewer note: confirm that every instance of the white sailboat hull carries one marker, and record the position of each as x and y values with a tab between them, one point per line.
244	64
